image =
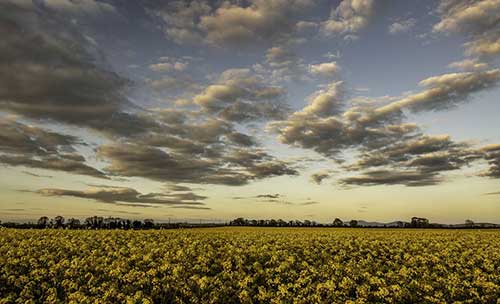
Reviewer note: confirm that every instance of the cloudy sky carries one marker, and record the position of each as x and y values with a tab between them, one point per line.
211	110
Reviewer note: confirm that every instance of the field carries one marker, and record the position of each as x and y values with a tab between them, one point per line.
250	265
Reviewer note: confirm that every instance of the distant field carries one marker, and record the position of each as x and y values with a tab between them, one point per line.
250	265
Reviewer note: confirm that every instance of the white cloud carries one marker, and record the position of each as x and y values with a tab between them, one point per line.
168	67
468	65
327	69
232	23
477	19
402	26
467	16
349	17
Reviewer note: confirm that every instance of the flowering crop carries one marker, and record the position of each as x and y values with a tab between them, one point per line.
250	265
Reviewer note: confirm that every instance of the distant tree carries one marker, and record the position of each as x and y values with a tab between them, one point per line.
419	222
353	223
137	224
238	222
306	223
149	223
43	221
469	223
94	222
73	223
338	223
113	222
58	221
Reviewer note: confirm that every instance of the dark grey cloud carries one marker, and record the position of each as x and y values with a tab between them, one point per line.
492	193
241	96
50	71
37	175
492	155
156	164
19	138
191	207
410	178
309	203
129	196
241	139
318	177
277	195
276	201
331	135
316	127
34	147
266	196
442	92
270	169
422	157
56	163
331	125
429	153
274	198
60	77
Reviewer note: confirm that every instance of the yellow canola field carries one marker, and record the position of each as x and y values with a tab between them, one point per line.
250	265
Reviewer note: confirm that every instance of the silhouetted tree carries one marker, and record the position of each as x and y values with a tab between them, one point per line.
58	221
469	223
137	224
353	223
73	223
149	223
338	223
238	222
94	222
43	221
419	222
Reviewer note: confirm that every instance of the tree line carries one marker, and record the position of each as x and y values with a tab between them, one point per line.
99	222
297	223
415	222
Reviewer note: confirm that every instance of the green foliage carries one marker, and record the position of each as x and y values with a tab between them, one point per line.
249	265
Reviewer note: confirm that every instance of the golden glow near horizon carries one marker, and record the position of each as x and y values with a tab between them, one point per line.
262	109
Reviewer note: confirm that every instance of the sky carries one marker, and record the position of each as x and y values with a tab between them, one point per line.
211	110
